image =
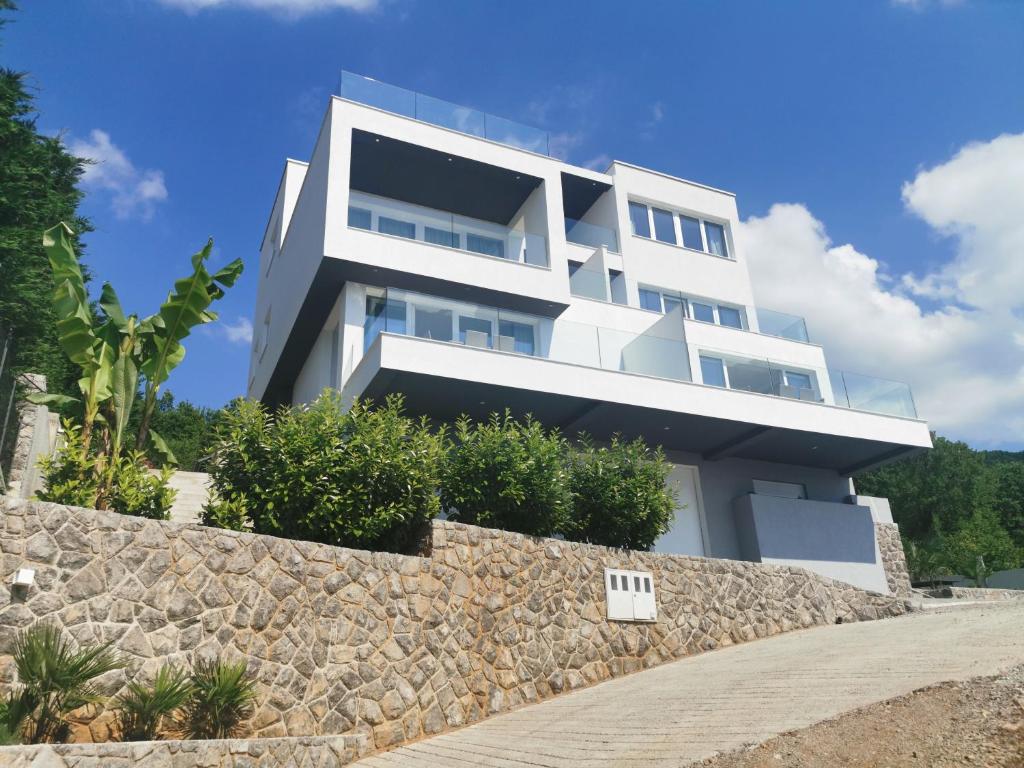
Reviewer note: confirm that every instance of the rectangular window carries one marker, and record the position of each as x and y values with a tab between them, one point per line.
650	299
625	582
712	371
647	584
636	583
691	233
617	281
441	237
488	246
396	227
638	217
382	315
433	323
674	302
515	337
614	582
716	239
664	226
730	316
359	218
479	331
799	381
703	312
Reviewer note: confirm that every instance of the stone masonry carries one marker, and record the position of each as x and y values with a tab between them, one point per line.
894	559
380	647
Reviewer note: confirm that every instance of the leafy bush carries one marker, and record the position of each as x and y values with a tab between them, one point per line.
926	560
56	678
135	491
142	709
620	494
979	547
70	472
366	477
507	474
222	697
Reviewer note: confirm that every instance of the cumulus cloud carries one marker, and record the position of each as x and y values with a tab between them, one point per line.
133	192
965	359
292	8
238	332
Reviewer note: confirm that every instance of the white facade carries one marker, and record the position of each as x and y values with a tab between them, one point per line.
472	275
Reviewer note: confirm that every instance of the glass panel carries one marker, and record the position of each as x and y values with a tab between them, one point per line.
636	583
644	353
389	226
716	239
639	220
650	299
359	218
382	314
712	371
591	235
441	237
664	226
730	316
866	393
515	337
617	282
798	380
673	303
647	584
625	583
479	331
754	376
691	233
516	135
433	323
782	325
587	282
703	312
488	246
366	90
448	115
614	582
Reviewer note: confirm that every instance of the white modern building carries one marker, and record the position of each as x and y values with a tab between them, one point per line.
439	252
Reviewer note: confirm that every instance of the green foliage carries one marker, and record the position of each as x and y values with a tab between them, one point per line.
1007	496
15	711
57	678
507	474
187	429
620	494
222	698
231	514
926	561
144	710
70	472
980	546
365	477
135	491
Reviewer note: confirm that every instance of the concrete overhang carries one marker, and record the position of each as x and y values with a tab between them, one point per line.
443	380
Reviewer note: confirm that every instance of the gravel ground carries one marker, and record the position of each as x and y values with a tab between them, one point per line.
978	722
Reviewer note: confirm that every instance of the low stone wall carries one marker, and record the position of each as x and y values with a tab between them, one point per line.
379	646
977	593
894	559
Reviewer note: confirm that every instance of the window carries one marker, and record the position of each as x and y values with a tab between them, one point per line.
488	246
574	267
518	336
799	380
359	218
716	239
712	371
264	334
479	331
396	227
382	315
664	226
617	281
730	316
674	302
275	244
650	299
433	323
638	217
647	584
703	312
441	237
691	232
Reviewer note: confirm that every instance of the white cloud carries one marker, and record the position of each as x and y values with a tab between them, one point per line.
647	127
290	8
964	360
133	192
238	332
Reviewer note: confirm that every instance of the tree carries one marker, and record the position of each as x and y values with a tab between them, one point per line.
187	429
620	495
980	547
38	186
1007	482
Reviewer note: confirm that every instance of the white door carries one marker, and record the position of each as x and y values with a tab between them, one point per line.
688	534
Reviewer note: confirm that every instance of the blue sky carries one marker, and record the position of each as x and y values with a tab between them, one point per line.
831	108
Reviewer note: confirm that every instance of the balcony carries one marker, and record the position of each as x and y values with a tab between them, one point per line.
414	222
428	109
782	325
868	393
591	235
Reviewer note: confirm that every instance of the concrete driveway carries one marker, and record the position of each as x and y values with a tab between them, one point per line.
690	709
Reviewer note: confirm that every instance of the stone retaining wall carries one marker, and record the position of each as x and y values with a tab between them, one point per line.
894	559
379	646
977	593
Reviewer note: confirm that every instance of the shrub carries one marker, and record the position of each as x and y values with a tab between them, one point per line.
222	697
507	474
143	710
979	547
620	494
56	678
70	472
366	477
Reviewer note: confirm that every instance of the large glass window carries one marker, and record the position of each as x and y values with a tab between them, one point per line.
664	226
730	316
650	299
441	237
382	315
716	239
517	335
639	220
474	331
691	232
389	226
703	312
359	218
433	323
712	371
799	381
674	302
488	246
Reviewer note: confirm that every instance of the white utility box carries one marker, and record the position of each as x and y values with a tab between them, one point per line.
630	595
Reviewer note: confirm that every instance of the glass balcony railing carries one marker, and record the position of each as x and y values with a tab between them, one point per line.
399	219
588	282
419	106
867	393
782	325
430	317
721	368
592	235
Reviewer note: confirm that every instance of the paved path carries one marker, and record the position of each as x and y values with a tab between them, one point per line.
718	701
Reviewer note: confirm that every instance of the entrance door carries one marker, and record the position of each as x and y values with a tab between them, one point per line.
688	535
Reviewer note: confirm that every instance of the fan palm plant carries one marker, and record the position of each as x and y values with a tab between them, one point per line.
223	697
56	678
14	711
143	709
